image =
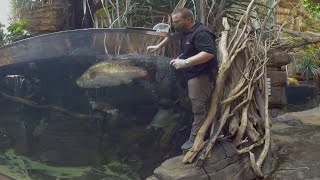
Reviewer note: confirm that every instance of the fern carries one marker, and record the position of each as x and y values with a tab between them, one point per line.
308	66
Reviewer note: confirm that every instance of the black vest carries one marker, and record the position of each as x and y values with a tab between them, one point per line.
188	49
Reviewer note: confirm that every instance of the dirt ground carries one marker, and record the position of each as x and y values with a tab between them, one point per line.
297	138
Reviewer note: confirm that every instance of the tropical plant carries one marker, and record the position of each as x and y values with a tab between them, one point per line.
16	31
308	66
312	6
312	21
2	35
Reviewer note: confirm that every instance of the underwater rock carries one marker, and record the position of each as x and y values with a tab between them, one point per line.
163	118
5	141
15	131
40	129
67	141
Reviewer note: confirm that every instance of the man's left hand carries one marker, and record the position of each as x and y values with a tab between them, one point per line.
180	63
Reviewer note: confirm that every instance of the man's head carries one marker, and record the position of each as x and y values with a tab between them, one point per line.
182	19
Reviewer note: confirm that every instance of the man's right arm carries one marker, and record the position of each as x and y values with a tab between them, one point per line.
158	46
172	37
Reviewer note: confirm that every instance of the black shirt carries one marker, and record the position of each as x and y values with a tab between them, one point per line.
204	42
198	39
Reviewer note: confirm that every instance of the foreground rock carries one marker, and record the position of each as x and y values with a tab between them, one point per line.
224	163
298	145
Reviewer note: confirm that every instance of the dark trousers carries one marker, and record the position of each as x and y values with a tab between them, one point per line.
200	90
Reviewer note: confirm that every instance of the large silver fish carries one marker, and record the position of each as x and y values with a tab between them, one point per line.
110	73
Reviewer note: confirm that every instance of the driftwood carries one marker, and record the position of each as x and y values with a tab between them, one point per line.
48	107
180	4
306	38
240	96
229	55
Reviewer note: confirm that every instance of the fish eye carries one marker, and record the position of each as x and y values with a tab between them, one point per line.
92	75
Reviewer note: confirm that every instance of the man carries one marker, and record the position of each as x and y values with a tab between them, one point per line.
198	61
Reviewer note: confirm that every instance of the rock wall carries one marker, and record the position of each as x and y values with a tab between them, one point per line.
67	141
278	81
49	136
292	12
46	18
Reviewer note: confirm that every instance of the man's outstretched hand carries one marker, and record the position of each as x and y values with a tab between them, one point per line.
153	48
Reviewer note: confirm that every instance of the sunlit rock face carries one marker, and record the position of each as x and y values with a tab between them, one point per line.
45	18
291	11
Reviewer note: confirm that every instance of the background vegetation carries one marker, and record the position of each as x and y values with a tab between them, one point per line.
147	13
312	6
15	32
2	35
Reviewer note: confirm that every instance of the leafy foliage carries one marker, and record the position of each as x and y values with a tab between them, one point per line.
2	35
15	31
312	22
312	6
308	66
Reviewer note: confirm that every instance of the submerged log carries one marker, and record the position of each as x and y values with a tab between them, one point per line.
48	107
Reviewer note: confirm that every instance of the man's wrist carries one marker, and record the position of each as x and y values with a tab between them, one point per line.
187	62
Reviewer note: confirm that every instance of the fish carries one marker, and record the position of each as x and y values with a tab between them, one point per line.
161	81
158	67
110	73
105	107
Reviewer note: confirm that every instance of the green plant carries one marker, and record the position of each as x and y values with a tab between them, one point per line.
2	35
16	31
312	6
308	66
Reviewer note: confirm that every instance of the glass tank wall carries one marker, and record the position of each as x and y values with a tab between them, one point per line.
90	104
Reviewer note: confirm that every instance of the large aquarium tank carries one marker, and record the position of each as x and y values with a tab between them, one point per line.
90	104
